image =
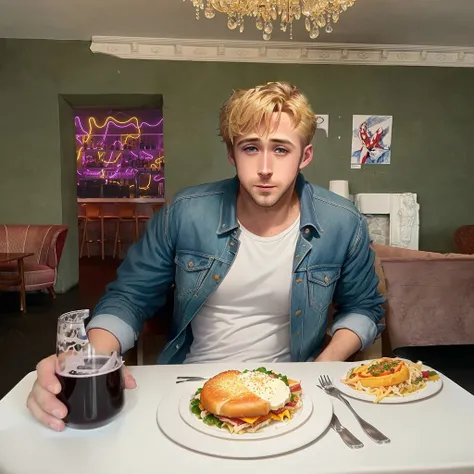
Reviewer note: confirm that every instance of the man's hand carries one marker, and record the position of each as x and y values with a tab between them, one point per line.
343	344
42	401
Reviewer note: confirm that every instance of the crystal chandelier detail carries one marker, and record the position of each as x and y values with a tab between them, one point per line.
318	14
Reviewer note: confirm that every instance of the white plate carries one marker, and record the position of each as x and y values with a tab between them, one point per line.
174	427
270	431
431	389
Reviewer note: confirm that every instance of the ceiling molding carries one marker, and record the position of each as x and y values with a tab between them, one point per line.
282	52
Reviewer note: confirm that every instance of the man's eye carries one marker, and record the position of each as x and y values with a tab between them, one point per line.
281	150
250	149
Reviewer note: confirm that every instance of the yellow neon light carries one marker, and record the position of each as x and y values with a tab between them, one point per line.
93	122
112	161
145	188
113	119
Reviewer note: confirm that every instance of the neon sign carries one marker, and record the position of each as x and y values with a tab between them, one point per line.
116	150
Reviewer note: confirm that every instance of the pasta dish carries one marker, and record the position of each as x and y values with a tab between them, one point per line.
389	377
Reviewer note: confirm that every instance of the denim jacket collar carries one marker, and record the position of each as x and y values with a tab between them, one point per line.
228	213
228	218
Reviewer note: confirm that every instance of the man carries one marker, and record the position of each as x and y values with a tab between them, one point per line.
256	260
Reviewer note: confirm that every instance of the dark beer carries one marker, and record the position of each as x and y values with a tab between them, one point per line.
92	397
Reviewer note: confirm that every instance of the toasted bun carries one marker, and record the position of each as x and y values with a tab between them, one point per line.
225	395
387	380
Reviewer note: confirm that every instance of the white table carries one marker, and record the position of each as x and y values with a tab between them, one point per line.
433	435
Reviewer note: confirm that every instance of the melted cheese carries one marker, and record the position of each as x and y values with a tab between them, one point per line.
273	416
273	390
250	420
285	414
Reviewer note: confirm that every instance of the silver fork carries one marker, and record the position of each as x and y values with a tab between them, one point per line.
182	379
373	433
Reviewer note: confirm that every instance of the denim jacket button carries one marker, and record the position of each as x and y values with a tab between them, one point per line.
306	231
177	346
190	264
298	312
326	279
216	277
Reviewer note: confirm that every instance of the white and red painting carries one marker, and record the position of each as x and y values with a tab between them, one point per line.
371	140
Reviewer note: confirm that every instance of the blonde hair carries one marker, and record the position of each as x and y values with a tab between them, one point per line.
247	110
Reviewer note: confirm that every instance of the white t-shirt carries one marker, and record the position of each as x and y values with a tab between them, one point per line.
247	318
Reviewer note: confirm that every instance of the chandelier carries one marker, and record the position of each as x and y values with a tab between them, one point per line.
318	14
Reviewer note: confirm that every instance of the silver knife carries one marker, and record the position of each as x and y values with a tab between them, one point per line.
345	434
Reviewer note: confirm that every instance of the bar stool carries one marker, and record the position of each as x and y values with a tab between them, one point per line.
142	219
81	218
127	212
92	214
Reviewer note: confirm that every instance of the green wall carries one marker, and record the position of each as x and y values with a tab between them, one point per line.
433	111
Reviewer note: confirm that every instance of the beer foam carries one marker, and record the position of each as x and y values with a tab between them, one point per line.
79	365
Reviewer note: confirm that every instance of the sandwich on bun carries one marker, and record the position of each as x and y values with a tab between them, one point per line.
245	402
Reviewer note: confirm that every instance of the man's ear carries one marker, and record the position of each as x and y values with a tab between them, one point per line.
307	156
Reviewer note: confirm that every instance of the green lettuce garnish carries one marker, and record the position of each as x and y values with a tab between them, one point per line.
195	407
209	419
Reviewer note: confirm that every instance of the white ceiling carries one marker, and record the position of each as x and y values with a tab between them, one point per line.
415	22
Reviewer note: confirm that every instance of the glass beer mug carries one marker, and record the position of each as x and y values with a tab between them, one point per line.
92	385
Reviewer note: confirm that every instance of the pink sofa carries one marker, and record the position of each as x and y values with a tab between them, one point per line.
464	239
430	298
46	242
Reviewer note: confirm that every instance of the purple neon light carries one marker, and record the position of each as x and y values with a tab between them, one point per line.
110	165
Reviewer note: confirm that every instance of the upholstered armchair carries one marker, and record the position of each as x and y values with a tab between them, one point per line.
45	242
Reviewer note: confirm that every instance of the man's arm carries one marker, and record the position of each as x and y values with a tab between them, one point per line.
143	280
343	344
359	303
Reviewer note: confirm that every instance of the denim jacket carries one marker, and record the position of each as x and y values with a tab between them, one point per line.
192	242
